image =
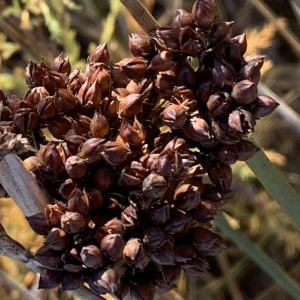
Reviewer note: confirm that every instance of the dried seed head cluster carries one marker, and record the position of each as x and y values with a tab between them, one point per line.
130	210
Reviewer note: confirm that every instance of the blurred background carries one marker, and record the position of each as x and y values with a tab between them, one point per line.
35	29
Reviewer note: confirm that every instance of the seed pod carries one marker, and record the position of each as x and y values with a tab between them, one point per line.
91	256
112	246
61	64
77	201
241	120
49	279
47	257
228	154
163	255
182	19
72	222
115	154
171	274
133	135
246	150
263	106
198	130
113	226
74	142
100	55
59	126
187	197
130	218
34	75
241	41
205	212
57	239
178	223
64	100
141	45
159	214
54	80
103	179
66	188
99	126
162	61
131	105
34	165
221	176
135	254
196	267
39	223
204	12
154	237
184	252
134	68
154	186
219	104
52	158
71	281
166	38
75	166
54	213
142	290
164	82
222	75
219	32
91	150
193	42
244	92
45	109
203	239
104	281
251	68
94	199
174	116
25	119
206	89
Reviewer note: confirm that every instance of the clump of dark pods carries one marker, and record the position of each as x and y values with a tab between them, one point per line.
130	144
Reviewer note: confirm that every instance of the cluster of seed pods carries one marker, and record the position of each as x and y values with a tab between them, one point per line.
130	144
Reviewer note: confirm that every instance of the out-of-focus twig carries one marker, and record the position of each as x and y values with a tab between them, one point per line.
281	27
232	285
140	14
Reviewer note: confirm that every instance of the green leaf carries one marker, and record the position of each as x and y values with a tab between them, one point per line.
260	258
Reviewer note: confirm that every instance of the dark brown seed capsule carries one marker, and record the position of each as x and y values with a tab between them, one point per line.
112	246
103	179
154	237
75	166
49	279
163	255
263	106
142	290
104	281
187	197
71	281
171	274
182	19
64	100
154	186
204	12
47	257
244	92
205	212
91	256
99	126
77	201
100	55
141	45
72	222
57	239
174	116
135	254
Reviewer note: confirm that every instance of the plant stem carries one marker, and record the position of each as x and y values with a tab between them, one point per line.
276	185
140	14
260	258
22	185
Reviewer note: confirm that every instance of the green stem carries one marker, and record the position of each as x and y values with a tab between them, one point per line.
261	258
276	185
